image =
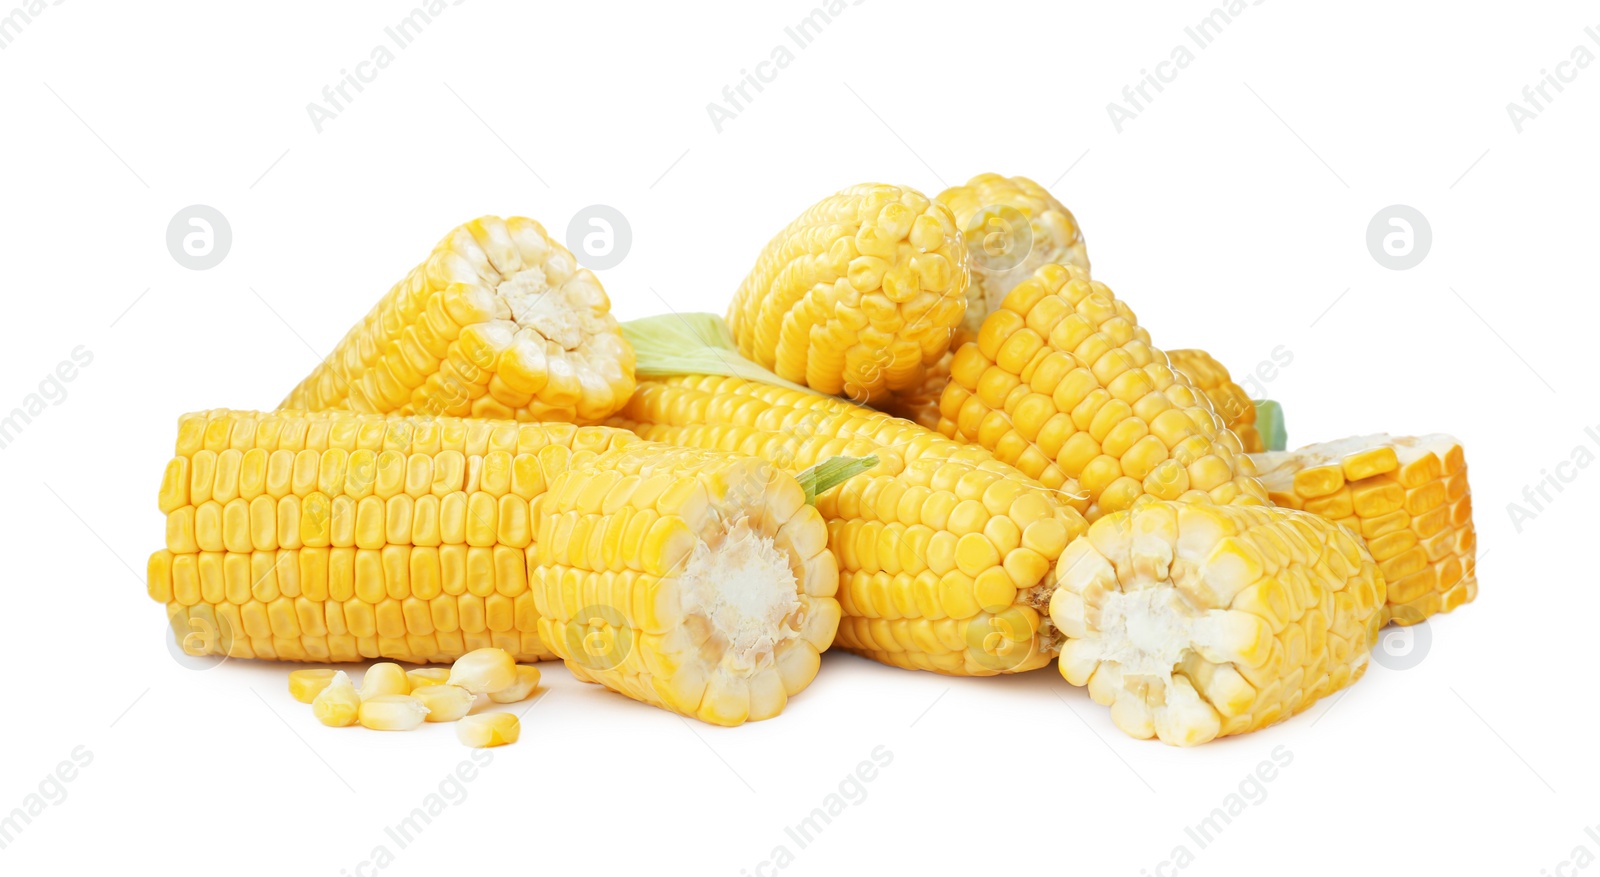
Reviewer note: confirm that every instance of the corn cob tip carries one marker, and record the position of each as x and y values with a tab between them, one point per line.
1194	621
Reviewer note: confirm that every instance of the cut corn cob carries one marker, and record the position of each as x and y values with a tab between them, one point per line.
498	322
858	295
1012	227
942	551
305	685
1193	620
1063	383
1228	399
489	729
1407	497
340	536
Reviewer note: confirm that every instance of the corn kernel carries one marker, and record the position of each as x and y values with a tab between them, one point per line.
338	704
384	678
445	703
392	712
305	685
527	681
424	676
484	670
488	729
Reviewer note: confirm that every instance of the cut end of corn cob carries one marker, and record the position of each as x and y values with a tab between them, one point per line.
1064	384
1407	497
1228	399
858	295
499	322
1194	620
712	597
1012	227
943	552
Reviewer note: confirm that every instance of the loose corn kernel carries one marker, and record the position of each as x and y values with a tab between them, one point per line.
384	678
527	681
338	704
484	670
392	712
489	729
305	685
445	703
422	677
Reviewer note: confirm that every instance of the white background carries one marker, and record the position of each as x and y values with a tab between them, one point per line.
1231	213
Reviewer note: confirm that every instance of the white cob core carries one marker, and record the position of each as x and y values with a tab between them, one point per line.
744	589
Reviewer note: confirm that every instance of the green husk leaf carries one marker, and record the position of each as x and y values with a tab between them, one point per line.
693	344
830	473
1269	422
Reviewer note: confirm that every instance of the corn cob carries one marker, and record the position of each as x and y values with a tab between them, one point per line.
1063	383
1228	399
942	551
1407	498
498	322
1012	228
340	536
858	295
1193	620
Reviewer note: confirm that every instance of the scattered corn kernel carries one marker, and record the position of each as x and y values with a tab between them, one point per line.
488	729
424	676
445	703
384	678
392	712
484	670
527	681
338	704
305	685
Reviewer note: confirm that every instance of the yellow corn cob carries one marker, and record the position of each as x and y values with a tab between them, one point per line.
1408	499
1228	399
1194	620
340	536
942	551
498	322
856	296
1012	228
1063	383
